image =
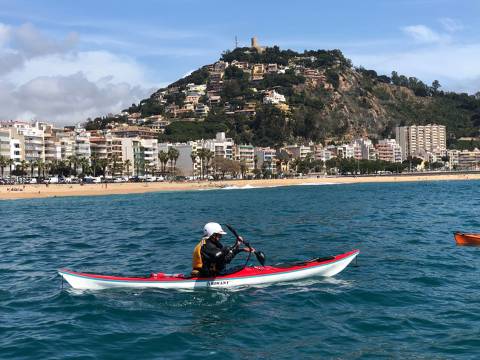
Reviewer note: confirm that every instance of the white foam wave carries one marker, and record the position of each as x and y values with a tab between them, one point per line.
235	187
317	183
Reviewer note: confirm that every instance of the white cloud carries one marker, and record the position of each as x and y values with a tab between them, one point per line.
31	42
46	78
423	34
66	99
451	25
94	64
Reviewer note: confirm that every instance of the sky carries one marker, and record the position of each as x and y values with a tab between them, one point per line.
65	61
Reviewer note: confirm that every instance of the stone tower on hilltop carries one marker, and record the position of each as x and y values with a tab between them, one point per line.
255	45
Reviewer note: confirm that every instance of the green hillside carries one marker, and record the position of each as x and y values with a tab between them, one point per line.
326	99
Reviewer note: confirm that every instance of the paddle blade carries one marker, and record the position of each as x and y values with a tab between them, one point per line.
260	257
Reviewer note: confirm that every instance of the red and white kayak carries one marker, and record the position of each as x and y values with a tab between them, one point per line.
253	275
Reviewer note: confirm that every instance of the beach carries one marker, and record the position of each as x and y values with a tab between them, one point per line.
11	192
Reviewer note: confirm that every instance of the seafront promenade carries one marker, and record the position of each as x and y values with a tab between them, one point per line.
8	192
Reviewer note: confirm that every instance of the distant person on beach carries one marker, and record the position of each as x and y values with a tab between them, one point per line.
209	256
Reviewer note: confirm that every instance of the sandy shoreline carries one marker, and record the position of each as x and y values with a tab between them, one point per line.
10	192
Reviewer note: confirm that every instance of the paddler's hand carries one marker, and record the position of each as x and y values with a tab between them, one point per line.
249	249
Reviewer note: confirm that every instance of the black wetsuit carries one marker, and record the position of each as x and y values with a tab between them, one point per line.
215	257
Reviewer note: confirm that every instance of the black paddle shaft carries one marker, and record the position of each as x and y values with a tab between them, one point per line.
259	254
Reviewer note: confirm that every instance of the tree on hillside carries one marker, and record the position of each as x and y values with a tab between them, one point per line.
435	86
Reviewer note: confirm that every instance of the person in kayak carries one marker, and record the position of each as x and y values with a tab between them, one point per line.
209	256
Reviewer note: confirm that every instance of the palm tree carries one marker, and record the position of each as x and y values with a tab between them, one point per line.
103	164
94	165
11	164
173	155
163	157
23	166
115	164
193	156
208	156
140	165
127	165
243	168
84	163
73	161
201	155
39	165
32	167
3	163
46	168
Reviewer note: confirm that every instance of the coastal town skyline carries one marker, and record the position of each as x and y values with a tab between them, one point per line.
134	150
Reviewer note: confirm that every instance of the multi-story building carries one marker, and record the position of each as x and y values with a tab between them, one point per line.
100	145
81	143
5	142
469	160
149	147
418	140
345	151
266	159
33	137
245	154
453	157
389	150
157	123
272	97
364	149
67	144
201	89
298	151
201	110
258	70
134	131
221	146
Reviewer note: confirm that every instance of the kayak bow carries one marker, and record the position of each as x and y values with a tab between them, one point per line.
253	275
467	239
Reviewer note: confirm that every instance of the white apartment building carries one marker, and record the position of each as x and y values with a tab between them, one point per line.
149	149
33	139
468	160
82	143
246	154
298	151
453	157
272	97
53	147
389	150
346	151
417	140
221	146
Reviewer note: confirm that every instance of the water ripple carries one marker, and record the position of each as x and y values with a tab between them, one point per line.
412	295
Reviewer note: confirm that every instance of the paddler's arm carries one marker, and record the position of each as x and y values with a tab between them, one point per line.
245	248
218	255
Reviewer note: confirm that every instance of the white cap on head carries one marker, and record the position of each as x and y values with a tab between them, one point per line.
212	228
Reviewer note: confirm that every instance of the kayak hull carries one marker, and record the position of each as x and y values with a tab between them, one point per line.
254	275
467	239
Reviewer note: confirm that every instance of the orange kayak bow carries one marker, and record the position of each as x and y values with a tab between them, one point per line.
467	239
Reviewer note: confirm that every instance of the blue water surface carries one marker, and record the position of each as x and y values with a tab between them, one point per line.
414	294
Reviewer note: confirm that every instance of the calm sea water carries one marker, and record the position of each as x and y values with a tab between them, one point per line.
414	294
